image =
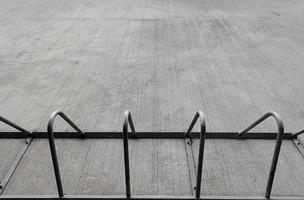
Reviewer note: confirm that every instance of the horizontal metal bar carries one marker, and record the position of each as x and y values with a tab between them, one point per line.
148	135
145	197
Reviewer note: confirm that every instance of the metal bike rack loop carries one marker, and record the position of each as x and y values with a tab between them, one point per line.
199	115
276	149
128	121
53	148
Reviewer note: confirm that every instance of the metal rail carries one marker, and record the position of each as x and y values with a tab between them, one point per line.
170	135
276	149
142	197
53	148
199	115
128	117
128	120
297	134
12	124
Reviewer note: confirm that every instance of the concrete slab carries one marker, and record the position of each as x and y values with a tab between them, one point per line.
161	59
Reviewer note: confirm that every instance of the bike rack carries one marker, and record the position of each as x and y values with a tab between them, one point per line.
199	115
128	120
12	124
202	135
53	148
276	149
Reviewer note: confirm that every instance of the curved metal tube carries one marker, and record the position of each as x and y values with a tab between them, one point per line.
128	117
277	148
127	121
199	115
61	114
8	122
53	148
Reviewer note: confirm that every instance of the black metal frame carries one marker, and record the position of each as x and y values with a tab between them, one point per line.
199	115
143	197
202	135
277	148
128	120
53	148
146	135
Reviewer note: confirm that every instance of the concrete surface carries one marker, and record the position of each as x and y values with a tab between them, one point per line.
162	59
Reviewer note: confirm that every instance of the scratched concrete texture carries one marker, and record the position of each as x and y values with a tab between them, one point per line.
161	59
